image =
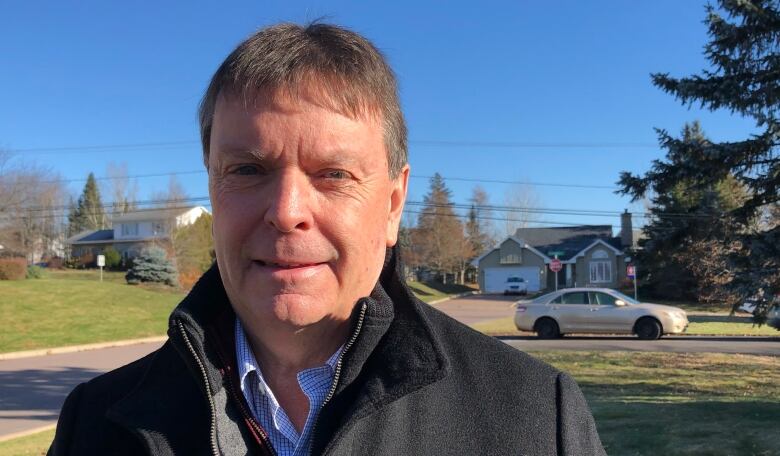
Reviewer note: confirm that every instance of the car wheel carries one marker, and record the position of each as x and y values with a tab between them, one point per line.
547	328
648	329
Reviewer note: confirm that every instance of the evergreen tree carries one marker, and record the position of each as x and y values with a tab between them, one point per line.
683	216
152	265
88	213
439	236
744	51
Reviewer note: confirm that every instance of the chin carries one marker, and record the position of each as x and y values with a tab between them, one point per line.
299	311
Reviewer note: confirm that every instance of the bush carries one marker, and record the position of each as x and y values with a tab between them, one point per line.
35	272
13	268
152	265
113	258
55	263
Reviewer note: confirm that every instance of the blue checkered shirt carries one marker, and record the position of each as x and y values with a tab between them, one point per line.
315	384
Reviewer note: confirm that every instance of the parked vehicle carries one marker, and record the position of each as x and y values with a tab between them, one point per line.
773	317
515	285
597	310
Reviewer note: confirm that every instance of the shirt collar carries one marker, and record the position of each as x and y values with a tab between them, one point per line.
247	363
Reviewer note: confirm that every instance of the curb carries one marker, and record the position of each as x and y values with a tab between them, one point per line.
20	434
79	348
459	295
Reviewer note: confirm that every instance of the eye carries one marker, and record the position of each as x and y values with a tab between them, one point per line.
337	174
246	170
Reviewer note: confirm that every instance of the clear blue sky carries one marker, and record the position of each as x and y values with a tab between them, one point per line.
94	73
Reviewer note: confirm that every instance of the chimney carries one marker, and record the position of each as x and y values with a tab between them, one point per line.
626	230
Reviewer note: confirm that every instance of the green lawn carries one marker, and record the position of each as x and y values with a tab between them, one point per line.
700	325
652	403
679	404
31	445
70	308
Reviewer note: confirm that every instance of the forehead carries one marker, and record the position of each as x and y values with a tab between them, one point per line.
282	123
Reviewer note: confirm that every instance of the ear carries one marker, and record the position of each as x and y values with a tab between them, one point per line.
397	200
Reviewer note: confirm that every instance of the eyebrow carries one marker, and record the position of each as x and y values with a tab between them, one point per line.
232	151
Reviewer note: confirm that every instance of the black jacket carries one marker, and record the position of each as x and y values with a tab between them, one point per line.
411	381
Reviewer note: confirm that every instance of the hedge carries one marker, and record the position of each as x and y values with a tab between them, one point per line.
13	268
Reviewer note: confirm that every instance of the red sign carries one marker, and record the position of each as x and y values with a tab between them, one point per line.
631	271
555	265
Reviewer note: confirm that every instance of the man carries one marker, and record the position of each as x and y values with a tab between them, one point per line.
303	338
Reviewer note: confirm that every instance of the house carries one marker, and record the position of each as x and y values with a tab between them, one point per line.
133	231
590	256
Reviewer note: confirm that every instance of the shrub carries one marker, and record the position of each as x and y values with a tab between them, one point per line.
35	272
188	278
55	263
13	268
152	265
113	258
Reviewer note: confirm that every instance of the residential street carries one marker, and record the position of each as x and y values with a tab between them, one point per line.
32	389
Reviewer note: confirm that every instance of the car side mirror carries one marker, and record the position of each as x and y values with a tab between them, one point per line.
620	303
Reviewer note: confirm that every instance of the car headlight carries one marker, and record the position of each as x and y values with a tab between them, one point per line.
676	315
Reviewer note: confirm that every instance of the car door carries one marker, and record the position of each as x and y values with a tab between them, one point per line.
572	311
606	316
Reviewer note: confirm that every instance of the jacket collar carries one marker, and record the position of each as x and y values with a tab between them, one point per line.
396	352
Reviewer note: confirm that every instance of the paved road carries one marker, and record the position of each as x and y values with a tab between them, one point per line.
677	344
32	390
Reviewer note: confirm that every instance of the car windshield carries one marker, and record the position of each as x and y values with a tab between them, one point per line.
514	279
622	297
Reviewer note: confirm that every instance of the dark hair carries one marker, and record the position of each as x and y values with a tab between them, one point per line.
350	73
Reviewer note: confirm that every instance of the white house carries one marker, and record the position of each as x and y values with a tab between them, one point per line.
133	231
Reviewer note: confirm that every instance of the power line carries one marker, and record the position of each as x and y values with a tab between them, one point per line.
500	219
62	209
92	148
535	184
135	176
413	176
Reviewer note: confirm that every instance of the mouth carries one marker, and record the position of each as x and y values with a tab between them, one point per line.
283	264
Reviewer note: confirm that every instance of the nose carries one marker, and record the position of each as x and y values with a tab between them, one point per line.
290	197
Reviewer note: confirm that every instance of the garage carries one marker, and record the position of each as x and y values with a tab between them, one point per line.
496	277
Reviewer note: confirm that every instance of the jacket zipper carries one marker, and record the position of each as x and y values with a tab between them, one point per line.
250	418
213	430
337	372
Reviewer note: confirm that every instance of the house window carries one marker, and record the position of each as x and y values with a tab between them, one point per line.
158	228
510	258
130	229
600	272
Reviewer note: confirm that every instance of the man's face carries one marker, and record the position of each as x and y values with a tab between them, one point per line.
303	208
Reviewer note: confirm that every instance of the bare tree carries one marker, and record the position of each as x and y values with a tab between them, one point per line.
123	194
31	215
525	200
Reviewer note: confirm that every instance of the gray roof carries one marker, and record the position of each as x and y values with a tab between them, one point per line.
151	214
568	240
92	236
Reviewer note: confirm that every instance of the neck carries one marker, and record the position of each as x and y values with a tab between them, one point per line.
286	351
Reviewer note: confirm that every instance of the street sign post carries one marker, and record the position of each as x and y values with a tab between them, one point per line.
555	266
631	273
101	261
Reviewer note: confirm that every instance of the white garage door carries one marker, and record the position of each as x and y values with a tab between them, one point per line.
495	278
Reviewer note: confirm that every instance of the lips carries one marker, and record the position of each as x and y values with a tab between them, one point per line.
285	264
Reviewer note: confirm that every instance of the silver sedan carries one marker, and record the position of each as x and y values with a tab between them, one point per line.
597	310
